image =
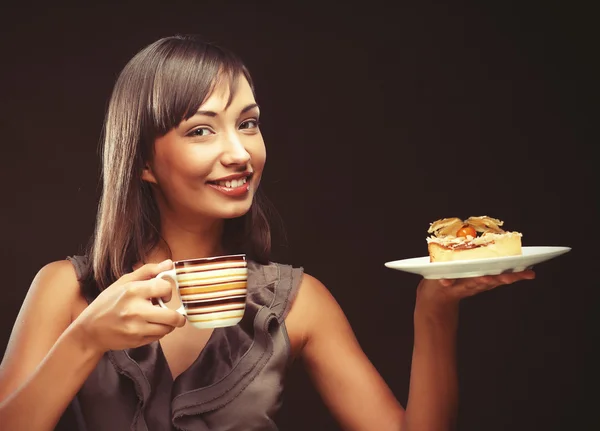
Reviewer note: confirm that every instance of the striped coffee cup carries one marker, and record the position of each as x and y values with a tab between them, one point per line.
212	290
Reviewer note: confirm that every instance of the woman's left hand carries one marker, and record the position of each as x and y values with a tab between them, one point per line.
453	290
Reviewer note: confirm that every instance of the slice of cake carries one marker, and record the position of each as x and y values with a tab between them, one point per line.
474	238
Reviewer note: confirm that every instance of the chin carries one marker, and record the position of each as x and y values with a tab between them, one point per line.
234	210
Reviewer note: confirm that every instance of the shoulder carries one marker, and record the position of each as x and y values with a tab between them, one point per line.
55	285
312	302
313	295
316	319
57	272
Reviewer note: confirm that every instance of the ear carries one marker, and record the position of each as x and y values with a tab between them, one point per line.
148	175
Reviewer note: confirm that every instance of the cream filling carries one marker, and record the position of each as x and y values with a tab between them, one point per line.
486	238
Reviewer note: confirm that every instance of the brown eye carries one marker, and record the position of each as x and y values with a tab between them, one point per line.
200	131
249	124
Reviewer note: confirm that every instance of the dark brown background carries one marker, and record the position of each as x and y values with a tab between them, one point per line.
377	121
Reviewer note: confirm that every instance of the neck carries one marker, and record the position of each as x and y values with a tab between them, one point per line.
182	240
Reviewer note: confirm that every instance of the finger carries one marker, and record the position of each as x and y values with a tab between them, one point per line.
528	274
493	282
471	284
478	283
147	339
508	278
485	283
447	282
148	271
150	335
156	330
163	316
150	289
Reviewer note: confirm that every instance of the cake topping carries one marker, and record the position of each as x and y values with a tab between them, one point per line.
445	227
455	227
466	232
485	224
455	233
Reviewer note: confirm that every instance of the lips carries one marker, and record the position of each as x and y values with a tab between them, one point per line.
236	176
233	185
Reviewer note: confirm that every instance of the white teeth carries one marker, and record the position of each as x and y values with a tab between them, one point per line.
233	183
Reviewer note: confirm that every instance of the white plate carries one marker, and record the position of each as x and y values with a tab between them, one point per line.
477	267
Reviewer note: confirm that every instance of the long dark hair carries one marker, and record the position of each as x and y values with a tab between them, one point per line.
162	85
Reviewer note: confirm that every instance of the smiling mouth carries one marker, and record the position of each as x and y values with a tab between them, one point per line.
233	183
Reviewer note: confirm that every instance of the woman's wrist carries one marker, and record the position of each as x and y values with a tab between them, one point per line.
433	300
79	338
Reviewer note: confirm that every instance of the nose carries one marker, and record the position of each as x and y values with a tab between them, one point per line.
234	152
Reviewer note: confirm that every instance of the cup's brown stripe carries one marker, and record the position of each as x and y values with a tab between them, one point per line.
222	303
213	295
219	272
215	309
209	284
214	301
218	307
183	290
218	259
228	285
223	262
210	267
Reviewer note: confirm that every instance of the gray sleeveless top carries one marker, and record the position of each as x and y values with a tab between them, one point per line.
235	383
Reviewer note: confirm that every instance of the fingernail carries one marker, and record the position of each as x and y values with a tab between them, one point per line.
166	264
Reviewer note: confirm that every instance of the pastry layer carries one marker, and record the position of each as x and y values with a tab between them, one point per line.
496	245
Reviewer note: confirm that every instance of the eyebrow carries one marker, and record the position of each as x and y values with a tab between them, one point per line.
214	114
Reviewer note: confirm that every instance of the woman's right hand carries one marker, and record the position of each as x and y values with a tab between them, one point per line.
124	316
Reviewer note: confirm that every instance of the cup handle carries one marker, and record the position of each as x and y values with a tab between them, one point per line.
173	276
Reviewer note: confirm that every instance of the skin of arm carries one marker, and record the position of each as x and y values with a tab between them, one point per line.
44	352
349	384
57	339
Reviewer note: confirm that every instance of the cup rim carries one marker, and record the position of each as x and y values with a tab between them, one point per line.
209	258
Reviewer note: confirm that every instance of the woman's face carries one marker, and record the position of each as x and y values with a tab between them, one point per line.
209	166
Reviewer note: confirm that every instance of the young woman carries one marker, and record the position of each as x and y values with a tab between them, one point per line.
182	162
